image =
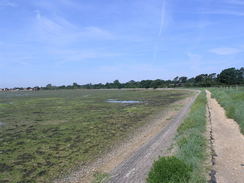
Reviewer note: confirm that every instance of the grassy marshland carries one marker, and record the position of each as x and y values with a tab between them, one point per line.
46	134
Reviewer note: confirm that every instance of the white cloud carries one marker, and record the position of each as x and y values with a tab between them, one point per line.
7	3
58	30
47	26
225	51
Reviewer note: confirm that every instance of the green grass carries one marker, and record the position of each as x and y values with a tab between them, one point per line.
191	151
191	140
169	170
100	177
232	99
188	165
47	134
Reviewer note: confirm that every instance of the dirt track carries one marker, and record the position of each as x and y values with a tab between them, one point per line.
136	167
228	145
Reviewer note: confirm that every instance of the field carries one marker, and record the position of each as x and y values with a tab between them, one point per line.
232	99
46	134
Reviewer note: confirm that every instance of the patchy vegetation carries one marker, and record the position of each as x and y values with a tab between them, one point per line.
169	169
49	133
232	99
100	177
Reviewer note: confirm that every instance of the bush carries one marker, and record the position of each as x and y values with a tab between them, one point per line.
169	170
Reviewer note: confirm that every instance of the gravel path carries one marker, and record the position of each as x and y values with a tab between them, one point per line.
228	145
135	169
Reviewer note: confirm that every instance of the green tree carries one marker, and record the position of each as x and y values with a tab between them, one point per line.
75	85
182	79
145	83
116	84
49	86
230	76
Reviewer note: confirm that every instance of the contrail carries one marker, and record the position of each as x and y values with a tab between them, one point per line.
161	28
162	20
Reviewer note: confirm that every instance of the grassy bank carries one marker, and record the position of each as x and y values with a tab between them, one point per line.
192	142
45	134
232	99
191	147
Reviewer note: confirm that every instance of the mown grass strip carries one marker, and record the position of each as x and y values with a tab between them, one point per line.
232	99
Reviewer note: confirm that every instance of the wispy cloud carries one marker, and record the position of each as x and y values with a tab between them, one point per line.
163	22
225	7
225	51
70	55
7	3
235	2
55	6
163	17
224	12
58	29
96	32
60	40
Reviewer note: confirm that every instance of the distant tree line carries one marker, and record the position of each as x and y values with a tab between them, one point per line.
227	77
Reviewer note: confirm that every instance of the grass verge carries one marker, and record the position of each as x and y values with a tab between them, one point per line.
192	142
232	99
191	145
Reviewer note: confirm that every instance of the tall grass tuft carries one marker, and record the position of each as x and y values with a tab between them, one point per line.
169	169
232	99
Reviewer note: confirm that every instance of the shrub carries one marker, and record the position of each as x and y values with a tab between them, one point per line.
169	170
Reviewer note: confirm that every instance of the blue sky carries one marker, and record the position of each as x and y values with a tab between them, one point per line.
66	41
